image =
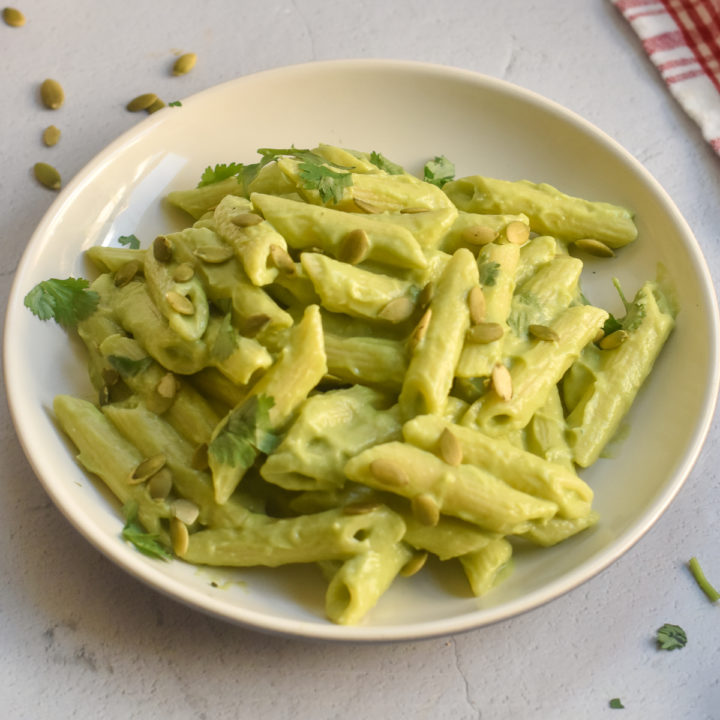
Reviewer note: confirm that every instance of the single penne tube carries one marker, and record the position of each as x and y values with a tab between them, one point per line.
111	259
331	428
522	470
545	434
465	491
550	211
305	225
360	581
551	532
598	414
153	436
252	241
496	268
217	389
536	372
341	157
533	254
428	227
103	451
328	535
197	201
366	360
352	290
483	566
434	358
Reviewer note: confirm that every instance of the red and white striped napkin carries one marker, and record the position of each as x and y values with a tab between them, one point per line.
682	38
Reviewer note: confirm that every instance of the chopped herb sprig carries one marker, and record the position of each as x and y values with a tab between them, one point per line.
66	301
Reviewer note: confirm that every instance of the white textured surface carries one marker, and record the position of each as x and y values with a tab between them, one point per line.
79	638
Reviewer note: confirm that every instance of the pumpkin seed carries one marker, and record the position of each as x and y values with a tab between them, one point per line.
414	564
543	332
614	339
484	333
420	329
157	105
141	102
179	536
354	247
13	17
125	273
52	94
282	260
183	272
179	303
199	460
388	473
360	508
425	509
184	64
162	249
478	235
51	135
594	247
517	233
148	467
247	219
502	381
254	324
160	484
110	376
214	254
426	295
185	510
397	310
167	386
413	210
599	335
450	449
476	304
47	175
367	207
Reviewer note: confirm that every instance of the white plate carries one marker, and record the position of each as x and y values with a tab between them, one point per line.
409	112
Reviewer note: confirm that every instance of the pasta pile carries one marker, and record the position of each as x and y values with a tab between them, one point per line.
339	363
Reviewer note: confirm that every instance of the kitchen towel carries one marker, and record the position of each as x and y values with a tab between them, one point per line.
682	38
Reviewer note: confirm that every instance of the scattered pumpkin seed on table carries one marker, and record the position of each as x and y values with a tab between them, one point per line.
51	135
141	102
184	64
13	17
47	175
52	94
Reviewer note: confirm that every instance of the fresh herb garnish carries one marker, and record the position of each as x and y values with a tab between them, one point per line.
611	325
224	344
615	704
127	367
328	182
130	241
220	172
712	594
147	543
66	301
380	161
488	273
175	103
439	170
245	434
671	637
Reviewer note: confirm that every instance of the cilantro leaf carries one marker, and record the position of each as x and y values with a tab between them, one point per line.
245	434
671	637
488	273
127	367
615	704
224	344
130	241
380	161
219	172
175	103
147	543
439	170
704	584
328	182
611	324
66	301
